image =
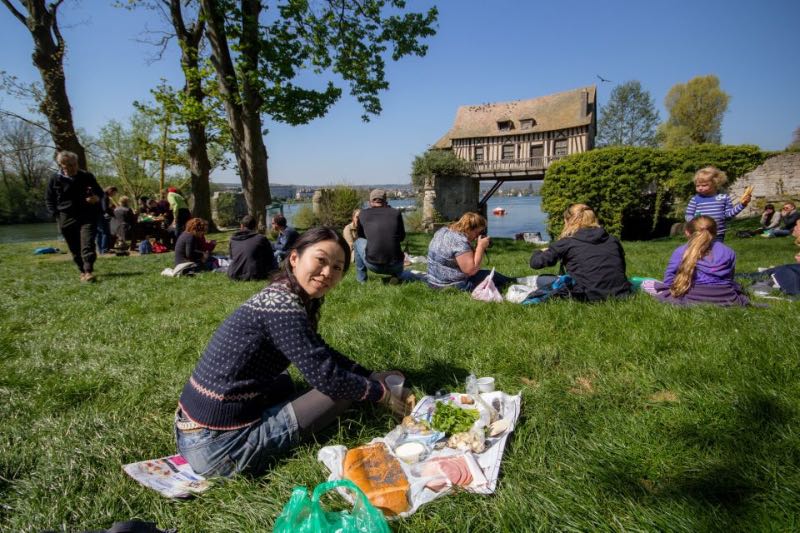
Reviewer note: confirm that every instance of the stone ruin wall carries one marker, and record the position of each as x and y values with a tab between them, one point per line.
775	181
447	198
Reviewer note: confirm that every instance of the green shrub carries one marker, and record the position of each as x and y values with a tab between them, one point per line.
337	205
636	192
226	210
438	163
305	218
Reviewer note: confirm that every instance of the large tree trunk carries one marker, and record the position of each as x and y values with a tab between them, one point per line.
199	164
242	102
48	57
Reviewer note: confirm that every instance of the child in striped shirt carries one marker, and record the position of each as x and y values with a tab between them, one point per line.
707	181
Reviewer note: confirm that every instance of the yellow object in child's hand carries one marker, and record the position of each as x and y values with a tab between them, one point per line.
746	195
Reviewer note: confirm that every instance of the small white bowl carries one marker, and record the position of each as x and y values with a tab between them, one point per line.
485	384
411	452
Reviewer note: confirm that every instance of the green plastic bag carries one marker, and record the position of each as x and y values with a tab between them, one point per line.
304	515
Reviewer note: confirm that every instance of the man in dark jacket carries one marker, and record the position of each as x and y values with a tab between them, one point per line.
789	217
73	199
251	253
380	232
286	237
594	260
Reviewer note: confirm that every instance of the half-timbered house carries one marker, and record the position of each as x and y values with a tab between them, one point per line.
520	139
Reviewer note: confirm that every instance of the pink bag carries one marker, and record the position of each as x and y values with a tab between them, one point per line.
486	291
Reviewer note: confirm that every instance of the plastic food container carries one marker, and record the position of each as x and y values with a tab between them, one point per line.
486	384
411	452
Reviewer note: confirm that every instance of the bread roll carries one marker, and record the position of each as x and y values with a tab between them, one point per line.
379	475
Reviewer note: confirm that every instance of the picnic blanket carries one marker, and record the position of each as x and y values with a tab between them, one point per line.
423	477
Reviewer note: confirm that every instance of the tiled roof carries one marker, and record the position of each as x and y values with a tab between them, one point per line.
552	112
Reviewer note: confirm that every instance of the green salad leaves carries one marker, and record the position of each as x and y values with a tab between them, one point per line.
451	419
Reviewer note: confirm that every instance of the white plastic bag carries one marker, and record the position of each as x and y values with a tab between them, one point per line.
517	293
486	290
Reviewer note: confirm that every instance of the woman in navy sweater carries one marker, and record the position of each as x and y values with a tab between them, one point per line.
239	408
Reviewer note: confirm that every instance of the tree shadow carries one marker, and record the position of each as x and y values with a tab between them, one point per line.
728	479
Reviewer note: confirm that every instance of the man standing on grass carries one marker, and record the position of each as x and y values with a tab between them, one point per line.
380	232
73	199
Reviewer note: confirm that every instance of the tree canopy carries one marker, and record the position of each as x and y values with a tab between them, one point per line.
629	118
695	110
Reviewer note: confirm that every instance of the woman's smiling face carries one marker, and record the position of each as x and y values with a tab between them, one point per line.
319	268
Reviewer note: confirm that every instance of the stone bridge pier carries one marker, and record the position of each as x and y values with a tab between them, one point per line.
446	198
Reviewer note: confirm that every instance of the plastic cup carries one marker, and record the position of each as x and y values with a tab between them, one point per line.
486	384
395	384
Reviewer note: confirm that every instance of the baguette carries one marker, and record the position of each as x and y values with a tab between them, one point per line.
748	192
379	475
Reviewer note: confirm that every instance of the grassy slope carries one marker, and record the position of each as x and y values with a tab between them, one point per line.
636	415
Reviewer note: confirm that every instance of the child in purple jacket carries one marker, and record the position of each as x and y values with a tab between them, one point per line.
700	271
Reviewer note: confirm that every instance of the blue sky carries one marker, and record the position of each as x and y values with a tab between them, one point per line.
485	51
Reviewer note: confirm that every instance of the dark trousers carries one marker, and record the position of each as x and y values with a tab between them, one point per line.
80	237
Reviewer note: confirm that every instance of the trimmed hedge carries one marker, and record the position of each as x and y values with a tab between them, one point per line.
637	192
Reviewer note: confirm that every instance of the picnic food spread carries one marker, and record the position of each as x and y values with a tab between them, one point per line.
450	441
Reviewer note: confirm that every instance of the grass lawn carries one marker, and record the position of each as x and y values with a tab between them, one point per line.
636	416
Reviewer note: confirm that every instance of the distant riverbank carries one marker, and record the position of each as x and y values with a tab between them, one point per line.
523	213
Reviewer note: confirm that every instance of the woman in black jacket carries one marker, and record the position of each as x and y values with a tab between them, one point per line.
593	259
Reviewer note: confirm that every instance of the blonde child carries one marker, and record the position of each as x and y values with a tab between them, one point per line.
709	202
700	271
594	259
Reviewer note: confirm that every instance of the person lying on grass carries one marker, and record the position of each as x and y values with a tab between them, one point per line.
785	278
593	259
453	262
239	408
700	271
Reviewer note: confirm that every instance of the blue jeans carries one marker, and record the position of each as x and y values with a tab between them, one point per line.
249	449
777	232
362	265
103	234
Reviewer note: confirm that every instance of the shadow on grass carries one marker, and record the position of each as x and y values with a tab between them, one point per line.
120	274
726	452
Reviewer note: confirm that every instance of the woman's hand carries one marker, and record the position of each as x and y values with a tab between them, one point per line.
483	242
400	406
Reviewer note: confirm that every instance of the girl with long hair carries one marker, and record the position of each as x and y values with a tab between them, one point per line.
700	271
239	409
593	259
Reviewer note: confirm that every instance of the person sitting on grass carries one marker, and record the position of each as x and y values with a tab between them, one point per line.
250	253
707	182
785	278
593	259
700	271
239	408
788	221
452	260
191	245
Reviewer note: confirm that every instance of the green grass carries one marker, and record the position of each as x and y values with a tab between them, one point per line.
636	416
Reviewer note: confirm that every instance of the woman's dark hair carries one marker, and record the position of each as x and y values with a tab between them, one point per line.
286	275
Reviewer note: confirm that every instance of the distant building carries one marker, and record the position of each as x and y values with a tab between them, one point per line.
282	191
521	138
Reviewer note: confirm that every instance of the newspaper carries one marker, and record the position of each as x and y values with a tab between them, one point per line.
485	466
169	476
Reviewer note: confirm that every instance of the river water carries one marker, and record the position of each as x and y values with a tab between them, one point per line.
522	214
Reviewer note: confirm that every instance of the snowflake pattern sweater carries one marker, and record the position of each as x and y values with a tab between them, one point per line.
230	386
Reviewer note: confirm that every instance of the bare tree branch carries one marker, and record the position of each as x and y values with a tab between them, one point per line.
29	121
15	12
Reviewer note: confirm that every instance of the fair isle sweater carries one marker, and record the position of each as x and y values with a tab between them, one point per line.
719	207
230	386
